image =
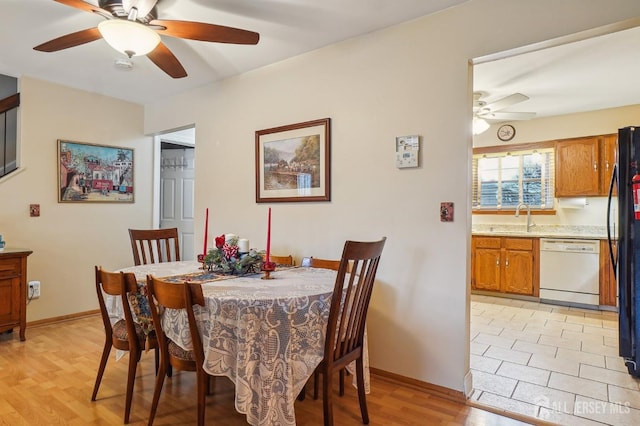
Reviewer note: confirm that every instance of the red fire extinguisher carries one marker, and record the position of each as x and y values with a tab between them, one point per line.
635	184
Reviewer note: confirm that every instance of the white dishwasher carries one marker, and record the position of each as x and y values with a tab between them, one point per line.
569	271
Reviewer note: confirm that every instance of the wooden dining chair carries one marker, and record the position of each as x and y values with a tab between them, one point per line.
282	260
167	295
125	334
333	264
347	319
315	262
154	245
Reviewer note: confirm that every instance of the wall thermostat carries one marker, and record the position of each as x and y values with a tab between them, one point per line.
407	151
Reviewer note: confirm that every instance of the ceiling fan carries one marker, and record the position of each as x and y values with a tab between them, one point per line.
493	110
132	27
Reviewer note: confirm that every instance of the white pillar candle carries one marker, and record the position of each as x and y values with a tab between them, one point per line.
229	237
243	245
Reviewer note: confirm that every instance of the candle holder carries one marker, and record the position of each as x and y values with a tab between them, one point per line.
268	268
201	260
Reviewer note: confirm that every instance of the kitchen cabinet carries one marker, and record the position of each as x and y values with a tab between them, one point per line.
486	261
13	290
608	284
577	171
506	265
607	160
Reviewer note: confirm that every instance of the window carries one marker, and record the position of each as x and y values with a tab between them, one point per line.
9	102
502	180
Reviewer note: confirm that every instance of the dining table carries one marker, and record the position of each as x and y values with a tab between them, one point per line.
266	335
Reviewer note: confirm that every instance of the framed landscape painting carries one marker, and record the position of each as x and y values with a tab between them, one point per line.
293	162
94	173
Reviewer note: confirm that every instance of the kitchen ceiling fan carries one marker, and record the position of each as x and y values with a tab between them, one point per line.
133	28
494	110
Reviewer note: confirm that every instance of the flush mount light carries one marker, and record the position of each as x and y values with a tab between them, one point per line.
129	37
479	125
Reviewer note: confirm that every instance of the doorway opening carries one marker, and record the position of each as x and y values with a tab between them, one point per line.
175	186
541	360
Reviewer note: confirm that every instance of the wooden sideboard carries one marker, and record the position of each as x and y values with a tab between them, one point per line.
13	289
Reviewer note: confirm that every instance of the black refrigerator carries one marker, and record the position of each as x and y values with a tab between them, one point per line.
627	264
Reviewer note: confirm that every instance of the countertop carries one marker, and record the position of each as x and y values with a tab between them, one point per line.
541	231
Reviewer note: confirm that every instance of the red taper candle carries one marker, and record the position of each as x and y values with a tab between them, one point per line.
268	236
206	231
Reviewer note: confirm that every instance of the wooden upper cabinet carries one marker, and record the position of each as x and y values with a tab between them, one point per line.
577	171
607	161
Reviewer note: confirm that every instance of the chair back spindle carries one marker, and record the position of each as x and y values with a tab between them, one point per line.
154	245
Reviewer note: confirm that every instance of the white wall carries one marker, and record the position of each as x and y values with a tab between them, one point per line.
601	122
68	239
409	79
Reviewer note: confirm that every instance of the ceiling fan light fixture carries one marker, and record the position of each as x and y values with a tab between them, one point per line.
129	37
480	125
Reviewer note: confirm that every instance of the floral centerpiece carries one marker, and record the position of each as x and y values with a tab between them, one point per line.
226	258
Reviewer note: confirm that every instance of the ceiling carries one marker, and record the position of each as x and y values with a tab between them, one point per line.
586	75
287	28
595	73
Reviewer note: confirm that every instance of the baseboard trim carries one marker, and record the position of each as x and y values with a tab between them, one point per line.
53	320
453	395
435	390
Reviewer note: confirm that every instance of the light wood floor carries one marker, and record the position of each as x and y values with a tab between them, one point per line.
48	380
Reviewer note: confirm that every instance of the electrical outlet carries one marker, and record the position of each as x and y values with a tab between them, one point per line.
34	289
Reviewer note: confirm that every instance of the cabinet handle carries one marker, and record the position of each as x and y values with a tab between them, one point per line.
595	167
506	262
497	261
606	165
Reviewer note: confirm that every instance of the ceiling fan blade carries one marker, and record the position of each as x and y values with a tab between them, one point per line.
508	116
205	32
166	61
507	101
87	7
70	40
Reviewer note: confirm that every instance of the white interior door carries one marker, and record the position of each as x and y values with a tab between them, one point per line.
177	185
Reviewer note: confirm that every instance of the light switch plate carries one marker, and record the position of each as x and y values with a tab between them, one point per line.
446	212
34	210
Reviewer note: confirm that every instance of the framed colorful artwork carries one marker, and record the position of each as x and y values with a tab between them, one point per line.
293	162
94	173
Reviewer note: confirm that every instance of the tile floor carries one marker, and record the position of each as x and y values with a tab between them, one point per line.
556	363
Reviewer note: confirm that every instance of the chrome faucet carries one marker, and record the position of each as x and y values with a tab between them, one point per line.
529	224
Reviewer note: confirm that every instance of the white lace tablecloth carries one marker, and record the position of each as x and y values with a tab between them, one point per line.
267	336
